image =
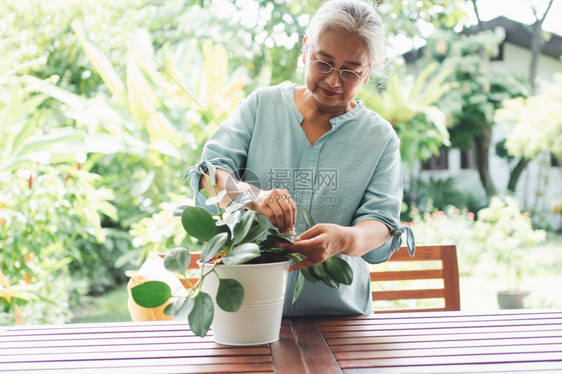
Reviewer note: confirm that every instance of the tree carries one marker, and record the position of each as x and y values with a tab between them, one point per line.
408	102
537	123
537	40
479	93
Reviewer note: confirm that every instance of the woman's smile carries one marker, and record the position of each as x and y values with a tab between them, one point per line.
328	93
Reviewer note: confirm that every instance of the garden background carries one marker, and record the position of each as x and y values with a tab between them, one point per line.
104	104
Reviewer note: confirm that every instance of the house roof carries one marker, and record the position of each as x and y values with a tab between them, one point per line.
515	33
520	34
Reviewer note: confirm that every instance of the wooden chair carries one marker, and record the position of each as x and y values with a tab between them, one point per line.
448	273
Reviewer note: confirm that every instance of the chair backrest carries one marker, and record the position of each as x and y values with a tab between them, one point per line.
447	271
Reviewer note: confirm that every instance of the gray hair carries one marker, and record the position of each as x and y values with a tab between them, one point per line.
356	16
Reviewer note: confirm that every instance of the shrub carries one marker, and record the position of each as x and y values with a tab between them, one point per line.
40	211
449	226
504	232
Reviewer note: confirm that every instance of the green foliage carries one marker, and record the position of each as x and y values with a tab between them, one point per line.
409	104
40	209
440	193
46	193
201	315
151	120
472	103
449	226
505	232
230	295
125	139
151	294
536	122
495	239
196	221
406	18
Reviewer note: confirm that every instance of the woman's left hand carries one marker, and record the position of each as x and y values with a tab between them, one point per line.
319	243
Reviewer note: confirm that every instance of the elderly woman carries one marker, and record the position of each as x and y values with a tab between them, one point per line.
314	146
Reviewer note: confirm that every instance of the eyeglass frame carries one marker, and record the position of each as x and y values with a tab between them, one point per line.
340	71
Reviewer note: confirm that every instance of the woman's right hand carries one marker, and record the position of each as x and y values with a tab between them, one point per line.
278	206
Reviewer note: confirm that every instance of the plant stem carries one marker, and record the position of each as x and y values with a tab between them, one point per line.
197	285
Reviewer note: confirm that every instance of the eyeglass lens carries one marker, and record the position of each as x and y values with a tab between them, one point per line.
326	68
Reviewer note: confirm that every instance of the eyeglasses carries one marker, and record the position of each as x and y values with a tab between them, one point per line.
345	74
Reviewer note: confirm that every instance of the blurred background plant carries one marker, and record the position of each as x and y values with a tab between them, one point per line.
494	239
504	234
450	225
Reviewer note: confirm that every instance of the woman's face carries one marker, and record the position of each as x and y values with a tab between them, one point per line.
342	50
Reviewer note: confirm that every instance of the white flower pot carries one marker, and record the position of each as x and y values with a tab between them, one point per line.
258	321
512	299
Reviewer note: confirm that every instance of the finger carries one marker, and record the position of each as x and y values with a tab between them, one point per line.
288	211
274	202
269	213
302	264
293	214
312	232
303	246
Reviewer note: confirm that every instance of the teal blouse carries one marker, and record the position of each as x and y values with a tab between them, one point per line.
351	174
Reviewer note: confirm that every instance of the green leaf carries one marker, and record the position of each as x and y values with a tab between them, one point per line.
216	199
241	229
59	138
339	270
321	272
282	238
177	260
180	308
101	63
240	201
242	254
272	239
212	172
213	246
230	295
151	294
201	315
230	221
255	232
299	283
307	217
178	211
309	275
141	186
199	223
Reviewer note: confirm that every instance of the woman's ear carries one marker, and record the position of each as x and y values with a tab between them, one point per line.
304	48
367	76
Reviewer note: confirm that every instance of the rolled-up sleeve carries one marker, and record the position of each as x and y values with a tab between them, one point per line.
383	199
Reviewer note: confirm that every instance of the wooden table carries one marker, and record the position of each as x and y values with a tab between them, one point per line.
443	342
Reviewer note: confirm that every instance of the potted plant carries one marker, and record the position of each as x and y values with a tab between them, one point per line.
242	274
505	233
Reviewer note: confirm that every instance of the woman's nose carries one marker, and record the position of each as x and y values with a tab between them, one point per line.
333	78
